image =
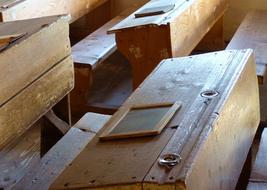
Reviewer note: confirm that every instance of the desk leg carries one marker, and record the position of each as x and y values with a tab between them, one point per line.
79	95
50	134
144	51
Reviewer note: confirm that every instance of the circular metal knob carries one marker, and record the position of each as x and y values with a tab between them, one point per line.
209	94
170	160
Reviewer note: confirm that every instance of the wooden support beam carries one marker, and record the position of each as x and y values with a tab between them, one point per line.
57	122
147	40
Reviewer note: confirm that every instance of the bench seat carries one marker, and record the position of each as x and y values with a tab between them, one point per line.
89	54
252	34
63	153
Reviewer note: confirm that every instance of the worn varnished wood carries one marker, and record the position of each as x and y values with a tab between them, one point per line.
146	41
46	37
61	155
252	34
202	123
26	9
34	101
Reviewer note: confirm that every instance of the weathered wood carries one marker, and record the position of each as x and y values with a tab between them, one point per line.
88	54
63	153
146	41
197	133
20	156
252	34
259	170
47	37
34	101
26	9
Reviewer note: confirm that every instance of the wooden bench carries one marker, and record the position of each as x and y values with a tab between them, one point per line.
164	29
252	34
258	178
196	133
60	157
11	10
100	97
99	71
37	72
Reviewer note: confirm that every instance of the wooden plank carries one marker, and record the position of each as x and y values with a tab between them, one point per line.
199	122
252	34
47	37
19	157
146	41
34	101
104	44
61	155
259	169
26	9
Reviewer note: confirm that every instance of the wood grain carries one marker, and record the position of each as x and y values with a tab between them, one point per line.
27	9
47	37
61	155
199	130
20	156
18	114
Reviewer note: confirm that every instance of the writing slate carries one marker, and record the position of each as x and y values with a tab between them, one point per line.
143	120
